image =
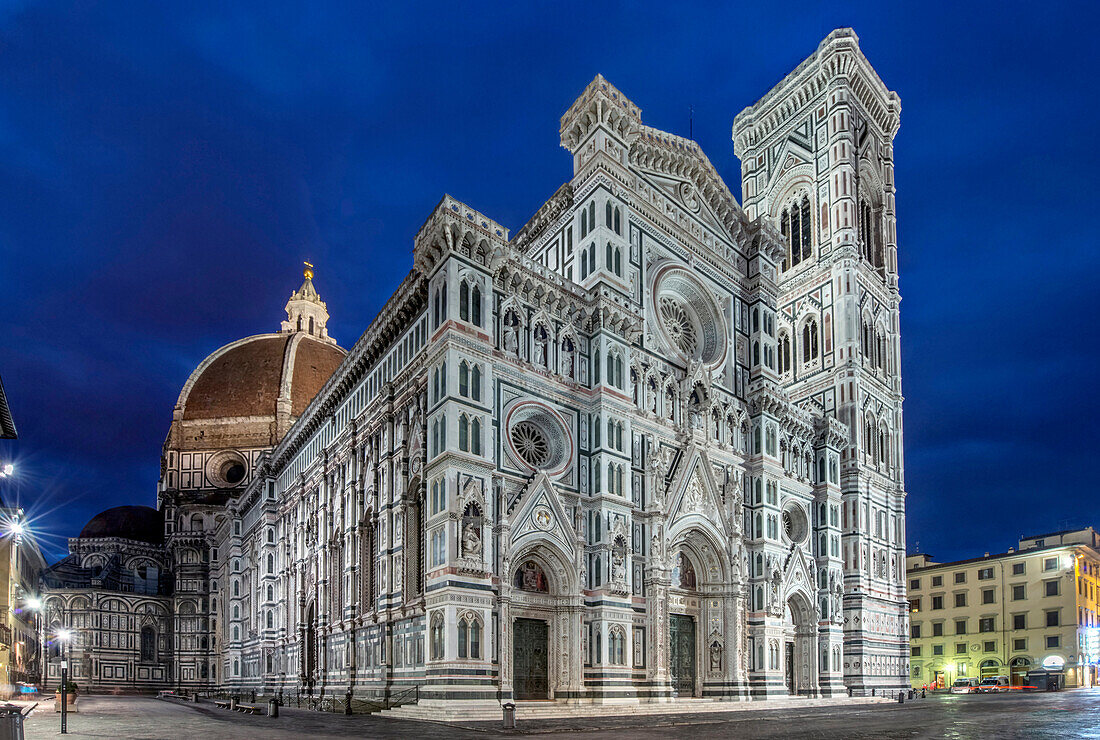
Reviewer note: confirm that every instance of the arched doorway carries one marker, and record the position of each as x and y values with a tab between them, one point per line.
531	638
799	638
542	614
989	668
1019	668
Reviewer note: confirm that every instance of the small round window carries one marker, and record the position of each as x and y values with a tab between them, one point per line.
233	472
226	469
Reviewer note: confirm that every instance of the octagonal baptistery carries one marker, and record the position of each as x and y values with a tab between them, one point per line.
243	398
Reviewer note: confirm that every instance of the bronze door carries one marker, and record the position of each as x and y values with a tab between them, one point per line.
530	671
682	662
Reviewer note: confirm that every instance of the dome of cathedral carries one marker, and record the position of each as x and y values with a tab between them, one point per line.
250	377
140	523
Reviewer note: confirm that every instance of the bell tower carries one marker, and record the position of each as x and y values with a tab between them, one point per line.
817	160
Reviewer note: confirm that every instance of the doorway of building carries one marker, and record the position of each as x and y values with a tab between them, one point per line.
530	670
682	662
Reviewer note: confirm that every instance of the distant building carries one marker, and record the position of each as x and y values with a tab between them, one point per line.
1006	614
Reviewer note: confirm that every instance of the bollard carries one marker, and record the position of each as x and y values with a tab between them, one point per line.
901	697
273	708
922	694
347	701
509	715
233	702
872	692
849	691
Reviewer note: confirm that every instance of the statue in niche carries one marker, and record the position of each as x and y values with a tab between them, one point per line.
471	541
618	567
715	656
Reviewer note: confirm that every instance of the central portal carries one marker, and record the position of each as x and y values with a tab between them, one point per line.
682	636
530	672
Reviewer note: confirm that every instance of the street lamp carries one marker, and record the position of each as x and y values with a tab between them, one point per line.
65	636
6	470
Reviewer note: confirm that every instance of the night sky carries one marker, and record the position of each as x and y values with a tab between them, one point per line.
164	169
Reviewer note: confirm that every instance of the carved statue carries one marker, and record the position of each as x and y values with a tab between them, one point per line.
471	541
715	656
618	567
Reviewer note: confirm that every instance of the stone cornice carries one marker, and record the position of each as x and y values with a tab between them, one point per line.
837	57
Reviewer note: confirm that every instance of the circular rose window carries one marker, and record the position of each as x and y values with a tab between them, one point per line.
531	443
794	523
538	438
688	318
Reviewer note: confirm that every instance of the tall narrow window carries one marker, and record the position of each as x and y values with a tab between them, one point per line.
464	301
463	379
607	214
475	383
475	436
475	306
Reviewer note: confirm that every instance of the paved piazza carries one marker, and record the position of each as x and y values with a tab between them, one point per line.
1062	715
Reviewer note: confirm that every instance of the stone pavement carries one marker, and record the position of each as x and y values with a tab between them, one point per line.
1066	714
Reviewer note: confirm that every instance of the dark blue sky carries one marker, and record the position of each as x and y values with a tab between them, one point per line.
164	170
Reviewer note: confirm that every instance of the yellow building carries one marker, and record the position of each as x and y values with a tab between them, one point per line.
1006	614
21	564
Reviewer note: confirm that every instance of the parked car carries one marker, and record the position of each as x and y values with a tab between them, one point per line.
965	686
994	684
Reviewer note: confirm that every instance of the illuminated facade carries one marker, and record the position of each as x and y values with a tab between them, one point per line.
648	447
1006	614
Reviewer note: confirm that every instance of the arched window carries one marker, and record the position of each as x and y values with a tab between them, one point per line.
795	223
618	262
584	264
469	638
616	646
463	379
592	257
784	353
270	563
311	325
475	383
437	637
809	341
592	214
475	306
607	214
464	301
618	221
463	433
475	436
148	645
270	593
270	619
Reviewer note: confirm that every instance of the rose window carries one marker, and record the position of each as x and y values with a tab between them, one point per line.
794	524
687	317
678	324
538	438
531	443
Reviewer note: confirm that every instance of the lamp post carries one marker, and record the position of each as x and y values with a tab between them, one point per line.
64	635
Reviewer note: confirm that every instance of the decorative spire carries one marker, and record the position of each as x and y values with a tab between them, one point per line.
305	311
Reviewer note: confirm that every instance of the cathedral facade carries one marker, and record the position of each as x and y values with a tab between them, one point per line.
647	447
